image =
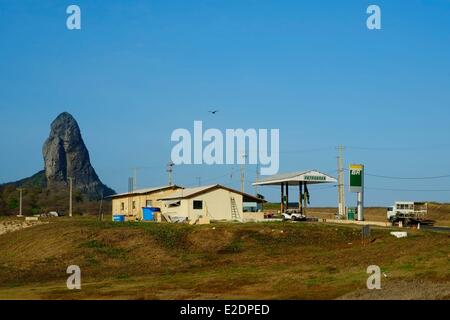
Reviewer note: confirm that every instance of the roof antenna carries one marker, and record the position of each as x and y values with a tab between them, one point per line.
169	170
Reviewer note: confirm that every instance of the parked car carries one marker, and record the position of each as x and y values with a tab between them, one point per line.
294	216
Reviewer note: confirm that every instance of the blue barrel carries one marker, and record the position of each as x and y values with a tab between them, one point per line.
119	218
148	214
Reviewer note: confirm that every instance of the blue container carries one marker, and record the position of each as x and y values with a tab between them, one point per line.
118	218
148	214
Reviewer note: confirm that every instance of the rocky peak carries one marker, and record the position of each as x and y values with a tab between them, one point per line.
66	155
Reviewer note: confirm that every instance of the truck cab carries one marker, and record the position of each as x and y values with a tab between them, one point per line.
390	212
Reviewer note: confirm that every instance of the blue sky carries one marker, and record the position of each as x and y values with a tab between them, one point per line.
140	69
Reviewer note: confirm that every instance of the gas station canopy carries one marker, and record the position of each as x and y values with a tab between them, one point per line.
299	179
293	179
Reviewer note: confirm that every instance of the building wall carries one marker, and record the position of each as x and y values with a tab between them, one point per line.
216	206
140	202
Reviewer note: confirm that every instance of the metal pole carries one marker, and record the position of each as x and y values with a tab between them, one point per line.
339	185
101	208
257	179
130	195
70	195
282	198
20	201
361	198
135	178
342	182
361	206
244	157
341	178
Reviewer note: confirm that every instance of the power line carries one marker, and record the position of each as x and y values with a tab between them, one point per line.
408	190
405	190
219	177
400	148
407	178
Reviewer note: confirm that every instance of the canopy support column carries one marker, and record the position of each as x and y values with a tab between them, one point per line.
287	196
305	198
300	197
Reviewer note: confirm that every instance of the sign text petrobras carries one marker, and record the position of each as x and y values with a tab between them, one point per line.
235	146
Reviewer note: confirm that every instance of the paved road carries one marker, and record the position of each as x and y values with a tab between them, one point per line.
442	229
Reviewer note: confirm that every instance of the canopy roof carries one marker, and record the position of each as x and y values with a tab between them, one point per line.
309	177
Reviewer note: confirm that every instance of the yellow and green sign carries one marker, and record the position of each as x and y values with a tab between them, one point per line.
356	178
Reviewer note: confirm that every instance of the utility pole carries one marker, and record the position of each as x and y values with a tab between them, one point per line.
130	198
135	173
70	179
244	157
341	180
20	201
100	214
258	172
199	179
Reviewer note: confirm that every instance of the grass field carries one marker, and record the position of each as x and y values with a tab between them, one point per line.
219	261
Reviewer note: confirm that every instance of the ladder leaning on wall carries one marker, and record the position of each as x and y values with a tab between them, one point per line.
234	210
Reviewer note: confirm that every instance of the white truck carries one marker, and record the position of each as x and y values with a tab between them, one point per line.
407	212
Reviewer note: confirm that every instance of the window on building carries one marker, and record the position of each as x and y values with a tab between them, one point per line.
122	206
149	203
198	204
134	204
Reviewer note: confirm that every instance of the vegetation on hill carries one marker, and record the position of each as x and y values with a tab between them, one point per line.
38	199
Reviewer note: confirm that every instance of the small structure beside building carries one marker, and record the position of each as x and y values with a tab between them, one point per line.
193	205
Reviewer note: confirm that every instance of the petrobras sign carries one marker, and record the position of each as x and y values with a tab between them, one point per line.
356	178
315	178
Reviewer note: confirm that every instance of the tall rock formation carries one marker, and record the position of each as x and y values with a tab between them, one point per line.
66	155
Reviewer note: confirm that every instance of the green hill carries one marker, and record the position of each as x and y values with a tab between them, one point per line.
218	261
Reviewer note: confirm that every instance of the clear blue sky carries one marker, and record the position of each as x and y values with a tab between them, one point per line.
139	69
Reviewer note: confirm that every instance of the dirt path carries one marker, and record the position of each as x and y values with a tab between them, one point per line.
14	225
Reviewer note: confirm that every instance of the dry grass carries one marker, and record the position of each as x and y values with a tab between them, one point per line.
231	261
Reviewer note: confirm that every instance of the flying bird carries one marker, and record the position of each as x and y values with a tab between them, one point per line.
213	111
